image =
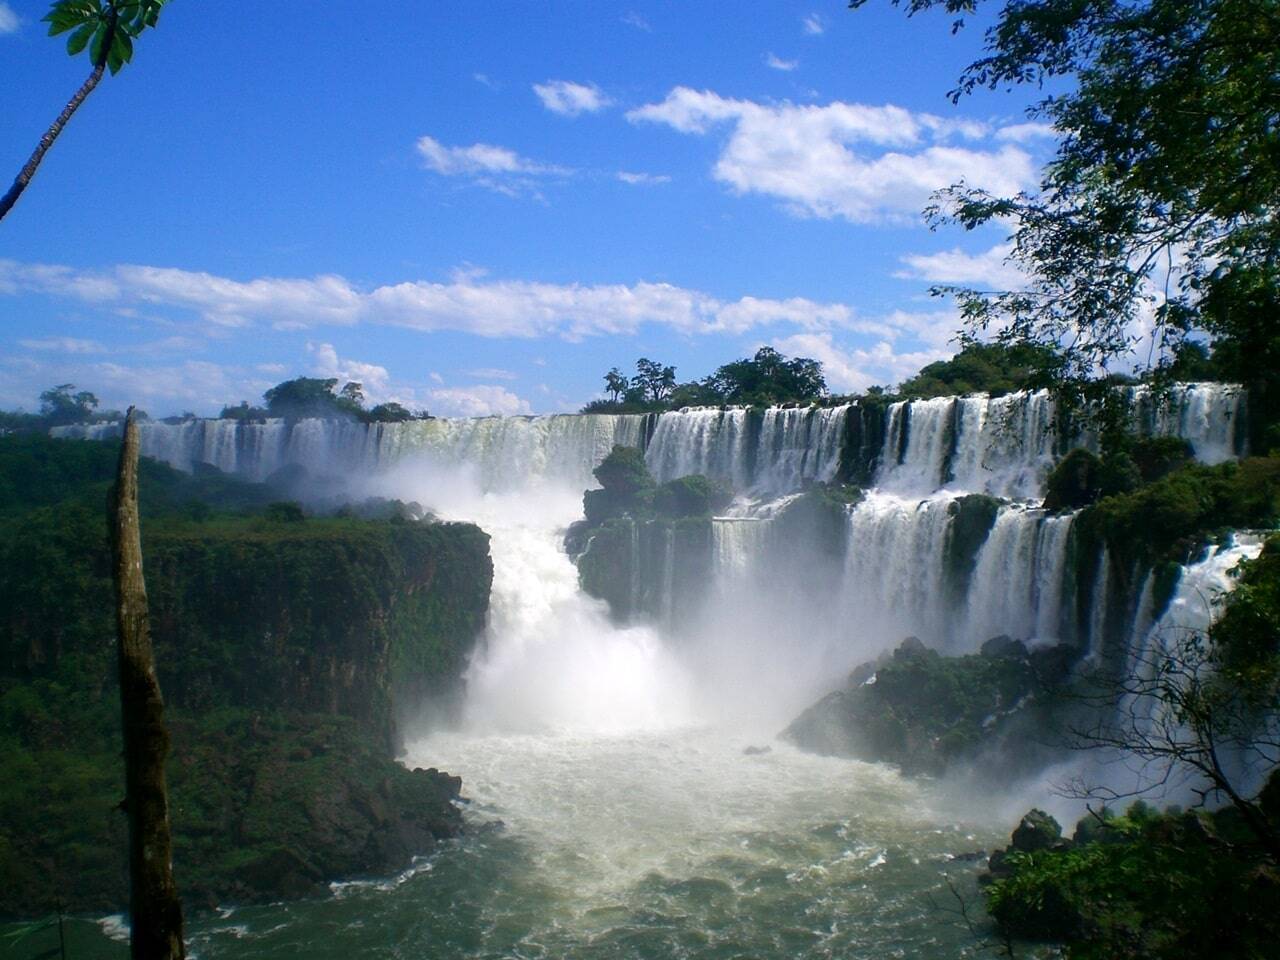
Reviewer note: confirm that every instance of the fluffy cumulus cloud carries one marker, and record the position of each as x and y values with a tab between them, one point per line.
989	269
570	99
9	21
374	379
483	400
851	370
864	163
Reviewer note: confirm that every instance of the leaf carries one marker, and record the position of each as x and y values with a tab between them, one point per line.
121	52
80	39
97	51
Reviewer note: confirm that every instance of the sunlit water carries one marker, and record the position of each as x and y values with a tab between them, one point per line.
674	844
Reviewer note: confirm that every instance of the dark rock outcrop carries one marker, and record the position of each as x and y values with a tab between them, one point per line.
925	712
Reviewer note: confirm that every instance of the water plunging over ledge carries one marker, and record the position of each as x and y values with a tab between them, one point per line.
634	822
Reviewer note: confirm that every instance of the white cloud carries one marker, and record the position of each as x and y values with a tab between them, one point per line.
485	81
469	302
633	19
989	268
9	21
64	345
570	99
814	25
777	63
374	379
195	385
483	400
477	159
864	163
642	179
491	373
853	370
1025	132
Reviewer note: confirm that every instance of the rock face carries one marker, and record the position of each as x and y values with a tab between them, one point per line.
925	712
1036	831
289	652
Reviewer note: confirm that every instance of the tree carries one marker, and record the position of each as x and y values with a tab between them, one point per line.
154	908
769	377
615	384
304	397
61	404
390	412
654	380
107	29
1160	205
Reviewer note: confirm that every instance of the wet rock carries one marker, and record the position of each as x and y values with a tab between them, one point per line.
1036	831
1004	647
756	751
910	647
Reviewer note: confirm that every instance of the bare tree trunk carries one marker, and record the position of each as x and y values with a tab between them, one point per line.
154	909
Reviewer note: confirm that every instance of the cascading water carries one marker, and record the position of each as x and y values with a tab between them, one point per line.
637	824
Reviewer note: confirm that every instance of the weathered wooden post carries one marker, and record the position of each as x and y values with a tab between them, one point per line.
155	911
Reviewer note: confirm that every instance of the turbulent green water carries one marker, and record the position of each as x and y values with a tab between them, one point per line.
658	845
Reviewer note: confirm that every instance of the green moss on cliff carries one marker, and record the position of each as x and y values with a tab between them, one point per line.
1171	518
285	649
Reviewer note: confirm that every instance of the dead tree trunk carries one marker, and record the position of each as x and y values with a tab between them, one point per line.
154	909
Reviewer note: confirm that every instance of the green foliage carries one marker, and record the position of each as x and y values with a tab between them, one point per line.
974	516
993	368
692	496
1075	482
653	382
624	471
310	397
1246	637
315	397
1143	885
61	404
391	412
1162	191
243	412
1171	517
284	512
107	28
288	653
769	378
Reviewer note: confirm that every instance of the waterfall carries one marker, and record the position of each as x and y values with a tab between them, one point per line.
1194	603
772	452
893	575
917	555
1017	583
504	452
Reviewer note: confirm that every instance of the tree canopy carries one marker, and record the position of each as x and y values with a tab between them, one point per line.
1160	208
316	397
767	378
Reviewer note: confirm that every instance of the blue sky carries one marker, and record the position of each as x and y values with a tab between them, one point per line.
480	208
